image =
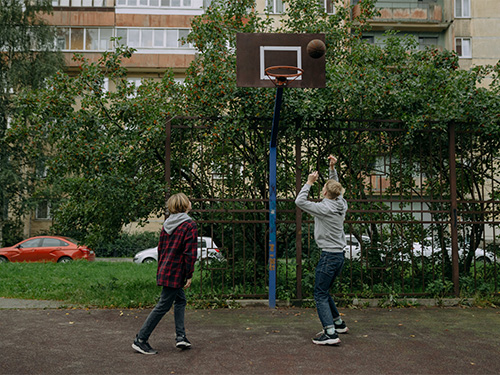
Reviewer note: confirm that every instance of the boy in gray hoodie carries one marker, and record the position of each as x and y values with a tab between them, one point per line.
329	216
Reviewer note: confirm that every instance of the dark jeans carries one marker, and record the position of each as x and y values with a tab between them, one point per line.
168	297
327	270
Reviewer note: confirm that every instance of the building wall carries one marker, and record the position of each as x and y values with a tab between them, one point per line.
483	29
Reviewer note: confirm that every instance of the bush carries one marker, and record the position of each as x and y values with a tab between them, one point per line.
127	245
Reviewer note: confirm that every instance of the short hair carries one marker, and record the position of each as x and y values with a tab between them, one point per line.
178	203
334	189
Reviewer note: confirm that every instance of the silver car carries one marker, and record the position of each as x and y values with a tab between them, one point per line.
207	249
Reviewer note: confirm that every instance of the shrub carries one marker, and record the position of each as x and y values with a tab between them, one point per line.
127	245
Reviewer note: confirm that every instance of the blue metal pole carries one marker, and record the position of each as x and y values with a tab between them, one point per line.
272	198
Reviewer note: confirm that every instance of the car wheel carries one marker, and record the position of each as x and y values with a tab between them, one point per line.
484	260
4	260
64	260
149	260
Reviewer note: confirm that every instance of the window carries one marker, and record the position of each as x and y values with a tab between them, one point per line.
43	210
87	39
368	39
62	38
105	86
53	242
153	38
424	42
60	3
31	243
463	47
329	6
135	82
76	39
274	6
462	8
155	3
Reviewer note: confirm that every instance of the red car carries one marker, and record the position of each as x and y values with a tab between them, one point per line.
46	249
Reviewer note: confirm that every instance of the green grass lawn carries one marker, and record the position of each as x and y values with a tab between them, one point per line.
96	284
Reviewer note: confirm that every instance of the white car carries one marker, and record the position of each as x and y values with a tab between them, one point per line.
353	247
207	249
430	249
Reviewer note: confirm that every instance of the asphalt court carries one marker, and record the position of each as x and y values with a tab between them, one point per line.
256	340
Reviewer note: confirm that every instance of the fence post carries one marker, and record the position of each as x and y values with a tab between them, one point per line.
454	215
298	217
168	155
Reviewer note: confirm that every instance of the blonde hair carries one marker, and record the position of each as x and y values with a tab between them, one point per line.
178	203
333	189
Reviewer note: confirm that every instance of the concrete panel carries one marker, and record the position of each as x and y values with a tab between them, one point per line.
485	9
150	20
75	18
141	62
486	28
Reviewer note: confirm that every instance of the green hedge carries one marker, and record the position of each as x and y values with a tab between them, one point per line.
127	245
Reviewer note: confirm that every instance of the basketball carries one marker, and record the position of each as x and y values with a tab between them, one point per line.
316	48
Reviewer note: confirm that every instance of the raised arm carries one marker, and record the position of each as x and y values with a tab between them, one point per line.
332	172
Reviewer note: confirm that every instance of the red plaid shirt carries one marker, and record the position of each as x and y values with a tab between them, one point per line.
177	254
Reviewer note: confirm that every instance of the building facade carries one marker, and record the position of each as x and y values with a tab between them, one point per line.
155	28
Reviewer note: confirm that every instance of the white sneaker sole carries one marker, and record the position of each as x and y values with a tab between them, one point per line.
183	345
327	342
342	330
142	351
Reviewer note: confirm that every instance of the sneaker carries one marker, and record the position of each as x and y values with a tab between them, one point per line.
341	328
182	343
326	339
143	347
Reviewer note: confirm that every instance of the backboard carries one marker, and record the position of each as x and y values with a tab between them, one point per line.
257	51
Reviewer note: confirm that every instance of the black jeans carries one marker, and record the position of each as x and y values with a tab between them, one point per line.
168	297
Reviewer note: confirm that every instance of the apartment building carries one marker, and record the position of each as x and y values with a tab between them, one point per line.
469	27
476	31
153	27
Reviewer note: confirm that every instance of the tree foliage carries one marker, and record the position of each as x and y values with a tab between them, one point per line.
27	58
102	148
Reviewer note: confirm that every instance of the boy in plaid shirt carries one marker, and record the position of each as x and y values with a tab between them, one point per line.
177	251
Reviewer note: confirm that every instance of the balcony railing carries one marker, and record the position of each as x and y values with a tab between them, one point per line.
391	11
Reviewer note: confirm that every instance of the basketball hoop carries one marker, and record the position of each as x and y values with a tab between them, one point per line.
276	75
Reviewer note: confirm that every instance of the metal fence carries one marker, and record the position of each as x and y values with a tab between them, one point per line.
423	206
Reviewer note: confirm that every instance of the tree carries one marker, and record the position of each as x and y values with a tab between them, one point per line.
102	148
27	58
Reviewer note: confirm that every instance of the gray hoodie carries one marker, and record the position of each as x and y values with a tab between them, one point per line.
174	220
329	216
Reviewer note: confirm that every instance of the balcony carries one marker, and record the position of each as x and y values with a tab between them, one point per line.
407	16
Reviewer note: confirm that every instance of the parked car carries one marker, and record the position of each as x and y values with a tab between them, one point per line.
207	249
430	248
353	247
46	249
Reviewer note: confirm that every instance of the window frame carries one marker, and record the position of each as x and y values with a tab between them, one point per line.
464	8
273	6
461	55
38	215
183	4
326	4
